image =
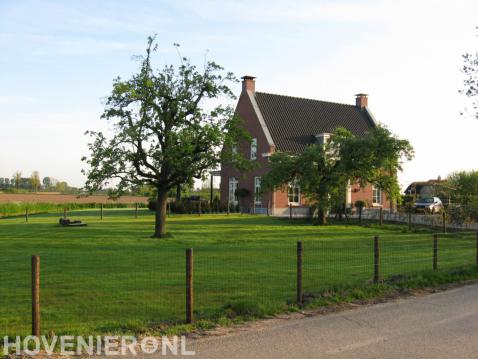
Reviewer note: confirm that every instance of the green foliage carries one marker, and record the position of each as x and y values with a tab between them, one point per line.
360	204
35	181
464	187
168	129
18	208
463	214
323	171
242	192
187	206
12	209
17	177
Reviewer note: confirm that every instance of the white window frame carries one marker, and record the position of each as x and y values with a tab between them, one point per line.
254	149
323	138
293	186
377	194
257	190
233	185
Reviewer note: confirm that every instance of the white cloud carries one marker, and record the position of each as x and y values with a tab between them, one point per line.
14	100
287	11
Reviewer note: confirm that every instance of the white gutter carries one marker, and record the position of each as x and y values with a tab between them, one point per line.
372	117
261	119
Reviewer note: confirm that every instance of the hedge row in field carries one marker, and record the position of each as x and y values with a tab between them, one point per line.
18	208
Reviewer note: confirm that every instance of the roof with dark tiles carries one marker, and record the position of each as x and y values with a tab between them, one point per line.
294	122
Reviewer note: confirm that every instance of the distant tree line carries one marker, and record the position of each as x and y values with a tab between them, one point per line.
34	183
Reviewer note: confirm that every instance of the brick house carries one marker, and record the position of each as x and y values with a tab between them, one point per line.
288	124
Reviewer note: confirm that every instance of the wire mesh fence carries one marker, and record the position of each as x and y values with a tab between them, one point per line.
459	218
91	287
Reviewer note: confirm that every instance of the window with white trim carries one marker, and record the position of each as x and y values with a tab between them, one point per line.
257	190
254	149
233	182
293	193
322	138
376	195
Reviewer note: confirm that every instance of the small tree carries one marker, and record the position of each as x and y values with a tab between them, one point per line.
464	186
360	205
241	194
47	182
17	179
35	181
324	171
168	130
61	186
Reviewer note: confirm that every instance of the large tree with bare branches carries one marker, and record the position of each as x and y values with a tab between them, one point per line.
168	128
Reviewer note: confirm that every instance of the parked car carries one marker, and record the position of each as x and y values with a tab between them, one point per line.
429	205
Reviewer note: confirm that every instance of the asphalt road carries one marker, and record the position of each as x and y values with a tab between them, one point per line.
441	325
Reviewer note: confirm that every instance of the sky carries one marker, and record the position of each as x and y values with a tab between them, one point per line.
58	60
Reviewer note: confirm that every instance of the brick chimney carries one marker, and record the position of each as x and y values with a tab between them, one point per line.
248	83
361	100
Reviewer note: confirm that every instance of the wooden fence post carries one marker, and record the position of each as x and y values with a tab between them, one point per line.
376	260
36	295
211	191
189	286
299	273
254	207
435	251
64	212
444	222
199	207
381	216
228	207
290	210
136	211
101	211
26	214
268	205
410	218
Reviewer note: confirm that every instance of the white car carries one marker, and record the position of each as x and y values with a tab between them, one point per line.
429	205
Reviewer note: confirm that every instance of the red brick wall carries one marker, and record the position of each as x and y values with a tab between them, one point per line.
366	194
358	193
246	180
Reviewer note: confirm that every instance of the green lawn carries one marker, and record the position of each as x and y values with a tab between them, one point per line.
112	277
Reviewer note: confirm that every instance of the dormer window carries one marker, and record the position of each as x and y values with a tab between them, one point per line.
254	149
322	138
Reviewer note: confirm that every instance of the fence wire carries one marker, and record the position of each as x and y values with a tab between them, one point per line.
90	287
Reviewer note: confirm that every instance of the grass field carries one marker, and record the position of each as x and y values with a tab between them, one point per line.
111	277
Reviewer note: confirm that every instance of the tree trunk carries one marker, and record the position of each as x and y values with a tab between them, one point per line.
341	213
178	193
321	216
161	209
